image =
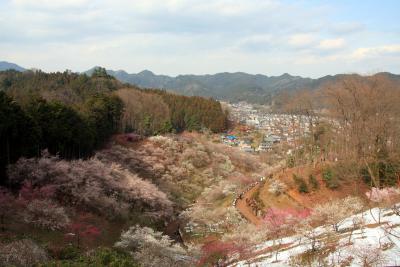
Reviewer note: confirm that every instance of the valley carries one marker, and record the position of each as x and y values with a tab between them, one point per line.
199	133
113	174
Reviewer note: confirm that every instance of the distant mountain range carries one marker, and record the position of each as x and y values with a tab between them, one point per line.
236	86
4	65
225	86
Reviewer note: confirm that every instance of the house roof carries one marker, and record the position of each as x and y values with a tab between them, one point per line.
231	137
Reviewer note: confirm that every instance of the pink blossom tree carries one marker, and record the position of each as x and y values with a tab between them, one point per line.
217	253
104	188
279	222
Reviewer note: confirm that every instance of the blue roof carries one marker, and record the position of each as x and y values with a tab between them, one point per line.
231	137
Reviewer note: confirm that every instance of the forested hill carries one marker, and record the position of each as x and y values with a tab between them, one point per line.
74	114
229	86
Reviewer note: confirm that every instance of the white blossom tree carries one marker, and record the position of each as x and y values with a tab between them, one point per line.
152	248
334	212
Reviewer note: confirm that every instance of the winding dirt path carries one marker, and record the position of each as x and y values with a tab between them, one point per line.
244	209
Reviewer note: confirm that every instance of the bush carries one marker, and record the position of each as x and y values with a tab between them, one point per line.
331	181
69	252
277	187
308	258
313	182
290	162
301	184
386	172
108	257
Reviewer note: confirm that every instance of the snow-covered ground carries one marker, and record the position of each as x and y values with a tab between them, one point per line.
373	242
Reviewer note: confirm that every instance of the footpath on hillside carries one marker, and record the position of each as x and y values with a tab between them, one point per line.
244	209
247	211
298	200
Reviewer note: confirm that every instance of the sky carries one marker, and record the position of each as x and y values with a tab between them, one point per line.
307	38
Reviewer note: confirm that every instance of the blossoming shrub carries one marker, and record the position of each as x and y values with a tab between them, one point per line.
46	214
106	189
152	248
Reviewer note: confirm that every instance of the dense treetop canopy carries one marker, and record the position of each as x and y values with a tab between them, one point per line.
73	114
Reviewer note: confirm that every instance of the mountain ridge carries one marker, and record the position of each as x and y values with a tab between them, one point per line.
230	86
4	65
227	86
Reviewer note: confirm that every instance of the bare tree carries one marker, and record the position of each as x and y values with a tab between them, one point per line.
309	232
366	111
369	256
144	113
334	212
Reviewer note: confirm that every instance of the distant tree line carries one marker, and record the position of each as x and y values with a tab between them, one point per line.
73	114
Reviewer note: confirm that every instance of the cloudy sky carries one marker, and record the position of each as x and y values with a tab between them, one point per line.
308	38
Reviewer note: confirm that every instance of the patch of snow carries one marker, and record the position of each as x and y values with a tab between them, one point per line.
378	235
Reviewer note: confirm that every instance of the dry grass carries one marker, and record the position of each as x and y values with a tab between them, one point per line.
321	195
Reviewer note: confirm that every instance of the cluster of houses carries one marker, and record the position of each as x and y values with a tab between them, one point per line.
243	143
268	141
275	127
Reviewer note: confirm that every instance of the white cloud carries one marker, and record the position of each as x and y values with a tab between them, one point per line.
199	7
370	52
234	7
192	36
256	43
49	4
150	6
301	40
347	28
331	44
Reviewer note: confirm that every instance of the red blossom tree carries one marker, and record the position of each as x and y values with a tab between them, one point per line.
82	230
